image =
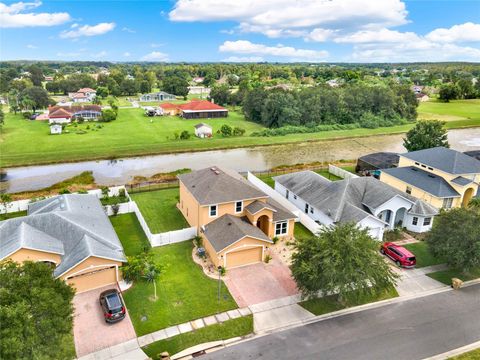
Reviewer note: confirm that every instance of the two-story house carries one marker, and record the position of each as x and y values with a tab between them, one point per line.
236	220
442	177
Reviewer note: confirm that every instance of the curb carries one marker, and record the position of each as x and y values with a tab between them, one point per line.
455	352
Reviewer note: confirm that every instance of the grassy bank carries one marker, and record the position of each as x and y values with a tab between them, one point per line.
29	143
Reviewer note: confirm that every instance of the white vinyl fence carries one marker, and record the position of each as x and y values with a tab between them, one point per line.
344	174
302	217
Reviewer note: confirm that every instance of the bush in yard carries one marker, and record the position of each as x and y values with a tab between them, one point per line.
184	135
226	130
426	134
115	209
35	313
238	131
341	260
137	266
108	115
455	236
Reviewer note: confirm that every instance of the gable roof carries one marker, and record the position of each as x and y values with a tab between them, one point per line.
433	184
216	185
86	90
198	126
168	106
447	160
228	229
344	200
72	225
68	111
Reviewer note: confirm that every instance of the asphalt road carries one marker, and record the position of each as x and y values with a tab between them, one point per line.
409	330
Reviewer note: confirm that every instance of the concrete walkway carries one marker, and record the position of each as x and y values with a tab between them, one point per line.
128	350
415	281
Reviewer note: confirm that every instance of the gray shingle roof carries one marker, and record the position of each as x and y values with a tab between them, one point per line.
460	180
72	225
198	126
216	185
257	206
344	200
228	229
424	180
281	213
422	208
448	160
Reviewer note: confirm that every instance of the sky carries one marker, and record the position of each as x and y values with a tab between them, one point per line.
241	30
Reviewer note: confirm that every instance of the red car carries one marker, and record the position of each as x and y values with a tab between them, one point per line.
399	254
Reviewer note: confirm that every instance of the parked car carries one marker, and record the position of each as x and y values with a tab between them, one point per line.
112	306
399	254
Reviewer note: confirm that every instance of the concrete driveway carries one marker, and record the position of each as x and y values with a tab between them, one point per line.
91	332
257	283
415	281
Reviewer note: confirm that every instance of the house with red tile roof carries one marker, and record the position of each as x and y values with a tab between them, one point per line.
195	109
83	95
65	114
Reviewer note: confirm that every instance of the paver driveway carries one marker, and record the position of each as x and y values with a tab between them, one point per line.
253	284
91	332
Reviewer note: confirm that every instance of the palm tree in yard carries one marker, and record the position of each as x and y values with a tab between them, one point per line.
151	275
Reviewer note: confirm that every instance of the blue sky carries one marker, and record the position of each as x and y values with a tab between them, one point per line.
241	30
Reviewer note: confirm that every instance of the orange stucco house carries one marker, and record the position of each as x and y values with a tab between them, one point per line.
236	220
71	232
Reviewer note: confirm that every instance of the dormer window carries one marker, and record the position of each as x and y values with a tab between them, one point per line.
238	207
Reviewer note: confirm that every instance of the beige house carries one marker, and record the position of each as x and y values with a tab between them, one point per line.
442	177
236	220
71	232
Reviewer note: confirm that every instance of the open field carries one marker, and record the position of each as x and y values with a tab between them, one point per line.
451	111
25	142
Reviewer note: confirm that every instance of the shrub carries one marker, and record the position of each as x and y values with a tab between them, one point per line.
121	193
198	241
184	135
275	240
105	191
238	131
80	119
27	114
226	130
268	258
115	209
64	191
137	266
222	271
82	191
108	115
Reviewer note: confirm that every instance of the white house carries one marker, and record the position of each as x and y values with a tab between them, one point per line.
83	95
365	201
158	96
203	130
55	129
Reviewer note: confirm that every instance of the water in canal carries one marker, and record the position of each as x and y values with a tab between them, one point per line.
115	172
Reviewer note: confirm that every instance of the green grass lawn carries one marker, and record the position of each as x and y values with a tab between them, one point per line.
159	210
111	200
13	215
423	255
132	237
445	276
184	292
451	111
471	355
24	142
227	330
301	232
329	303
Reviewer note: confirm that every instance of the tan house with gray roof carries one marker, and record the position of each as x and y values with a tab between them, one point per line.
236	220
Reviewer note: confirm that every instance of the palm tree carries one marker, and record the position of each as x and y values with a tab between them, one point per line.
151	276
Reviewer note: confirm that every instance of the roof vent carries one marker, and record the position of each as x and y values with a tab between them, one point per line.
229	224
217	172
213	168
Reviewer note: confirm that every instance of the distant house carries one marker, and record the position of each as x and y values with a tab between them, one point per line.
83	95
198	90
332	83
198	79
158	96
48	78
421	97
170	109
203	130
65	114
202	109
365	201
55	129
417	89
153	111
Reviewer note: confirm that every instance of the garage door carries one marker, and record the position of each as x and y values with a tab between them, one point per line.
94	279
244	257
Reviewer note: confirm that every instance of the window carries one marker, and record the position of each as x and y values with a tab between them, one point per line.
311	210
239	207
427	221
306	208
287	193
408	190
424	166
295	197
417	163
447	203
415	220
430	168
213	210
281	228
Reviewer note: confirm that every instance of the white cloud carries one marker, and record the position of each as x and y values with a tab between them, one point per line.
467	32
99	55
126	54
248	48
14	16
88	30
155	56
293	18
246	59
320	35
128	30
30	46
155	45
377	36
